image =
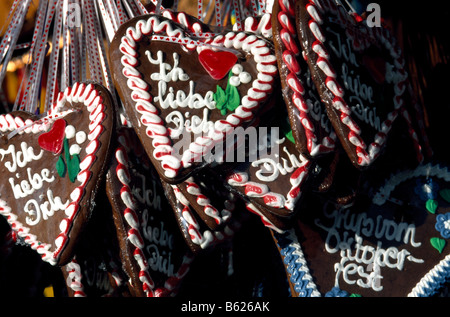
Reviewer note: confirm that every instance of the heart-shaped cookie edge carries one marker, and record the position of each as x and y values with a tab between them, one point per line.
149	25
290	51
298	272
119	176
360	154
89	94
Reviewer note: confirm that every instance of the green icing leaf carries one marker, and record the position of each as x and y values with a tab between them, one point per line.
438	244
73	162
445	194
220	97
431	205
66	149
73	167
233	99
228	99
355	295
61	167
290	137
286	130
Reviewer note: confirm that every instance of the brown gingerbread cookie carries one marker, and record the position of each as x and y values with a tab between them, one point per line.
311	128
53	168
181	95
198	236
210	199
154	254
96	270
358	72
394	245
274	174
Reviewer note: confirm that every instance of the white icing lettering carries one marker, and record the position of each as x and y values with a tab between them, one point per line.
361	90
275	168
175	73
158	236
355	256
167	97
34	182
147	196
366	114
44	210
19	158
343	50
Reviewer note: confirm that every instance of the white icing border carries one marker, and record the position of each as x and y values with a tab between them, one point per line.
134	236
206	238
365	154
156	130
380	197
79	92
291	51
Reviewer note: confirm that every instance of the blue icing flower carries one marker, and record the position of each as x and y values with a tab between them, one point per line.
443	225
337	292
426	189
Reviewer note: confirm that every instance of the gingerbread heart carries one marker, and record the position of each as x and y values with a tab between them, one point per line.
154	253
275	173
359	73
393	245
47	207
179	111
196	233
210	199
311	128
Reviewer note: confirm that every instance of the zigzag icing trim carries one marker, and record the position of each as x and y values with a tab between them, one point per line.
291	52
315	9
82	93
295	264
219	217
73	280
266	222
272	199
435	278
203	239
134	235
155	127
260	26
428	170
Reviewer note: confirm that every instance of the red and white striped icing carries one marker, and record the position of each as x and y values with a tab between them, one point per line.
155	126
204	202
201	238
366	154
73	280
254	189
291	52
90	97
75	277
266	221
261	26
134	235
